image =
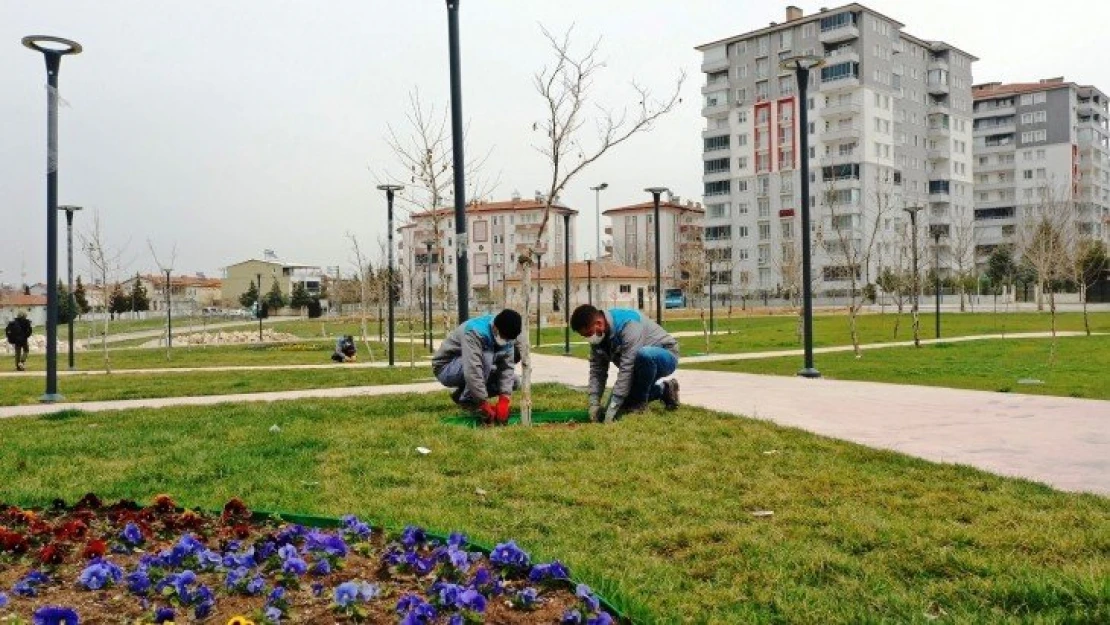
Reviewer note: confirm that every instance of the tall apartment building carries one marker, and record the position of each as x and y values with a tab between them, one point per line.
498	233
890	125
1030	137
680	241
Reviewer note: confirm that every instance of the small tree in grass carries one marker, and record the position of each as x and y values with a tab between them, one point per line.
1090	265
81	297
249	298
275	299
300	297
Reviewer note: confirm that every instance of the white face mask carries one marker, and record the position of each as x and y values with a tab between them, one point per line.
595	339
500	341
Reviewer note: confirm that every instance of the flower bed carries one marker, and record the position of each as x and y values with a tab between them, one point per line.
122	563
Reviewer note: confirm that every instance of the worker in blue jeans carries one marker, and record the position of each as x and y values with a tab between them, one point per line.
477	362
642	351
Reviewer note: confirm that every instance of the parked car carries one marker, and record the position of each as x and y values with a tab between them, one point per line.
674	298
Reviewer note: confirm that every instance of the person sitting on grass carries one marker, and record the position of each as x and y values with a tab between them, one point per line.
642	351
345	350
477	361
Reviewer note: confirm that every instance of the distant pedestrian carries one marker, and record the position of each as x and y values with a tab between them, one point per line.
345	349
18	333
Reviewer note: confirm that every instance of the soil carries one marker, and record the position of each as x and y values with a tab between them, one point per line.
62	535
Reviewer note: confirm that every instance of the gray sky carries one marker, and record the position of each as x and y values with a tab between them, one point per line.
230	127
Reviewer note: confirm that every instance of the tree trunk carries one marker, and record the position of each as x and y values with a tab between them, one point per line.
525	345
1083	298
704	329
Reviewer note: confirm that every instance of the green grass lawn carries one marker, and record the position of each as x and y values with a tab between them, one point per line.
27	390
771	333
304	353
655	512
1078	368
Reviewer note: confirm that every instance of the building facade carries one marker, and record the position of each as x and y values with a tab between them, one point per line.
498	233
239	277
680	241
188	295
890	127
605	284
1030	138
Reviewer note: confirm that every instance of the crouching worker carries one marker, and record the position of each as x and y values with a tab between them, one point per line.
344	349
477	360
642	351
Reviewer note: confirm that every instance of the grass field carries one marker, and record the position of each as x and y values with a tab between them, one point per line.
1077	367
27	390
655	512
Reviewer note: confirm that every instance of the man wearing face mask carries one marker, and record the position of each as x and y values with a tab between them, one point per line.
642	351
477	360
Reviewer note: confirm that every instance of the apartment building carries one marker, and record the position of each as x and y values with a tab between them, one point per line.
498	232
1032	137
239	277
680	243
890	126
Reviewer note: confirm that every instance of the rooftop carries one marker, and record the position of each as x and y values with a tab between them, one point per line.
642	207
507	206
582	271
19	300
991	90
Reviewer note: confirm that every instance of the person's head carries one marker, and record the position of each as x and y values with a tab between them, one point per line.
506	326
21	314
589	322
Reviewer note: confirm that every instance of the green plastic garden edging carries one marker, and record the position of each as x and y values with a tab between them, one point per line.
565	416
330	522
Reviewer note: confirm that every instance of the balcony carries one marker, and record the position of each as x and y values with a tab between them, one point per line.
845	32
714	85
938	63
994	186
842	55
1003	128
995	110
849	109
840	133
996	148
939	197
714	65
841	184
1006	202
940	153
718	108
840	84
1089	107
850	158
939	107
939	130
935	87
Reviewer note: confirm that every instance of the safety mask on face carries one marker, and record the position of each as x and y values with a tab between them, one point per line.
500	341
595	339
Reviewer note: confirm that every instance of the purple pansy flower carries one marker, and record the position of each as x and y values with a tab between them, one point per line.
55	615
294	566
508	555
163	614
132	535
346	594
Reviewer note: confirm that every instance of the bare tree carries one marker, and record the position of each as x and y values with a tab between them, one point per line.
962	249
364	279
106	263
852	245
565	88
166	269
1047	241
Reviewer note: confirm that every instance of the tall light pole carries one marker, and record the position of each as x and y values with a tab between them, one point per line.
69	255
390	190
169	311
597	210
589	280
936	273
709	257
52	49
913	210
801	66
428	296
655	193
566	282
462	242
258	303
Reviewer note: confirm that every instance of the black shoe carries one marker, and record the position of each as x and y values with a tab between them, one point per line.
670	394
456	396
20	367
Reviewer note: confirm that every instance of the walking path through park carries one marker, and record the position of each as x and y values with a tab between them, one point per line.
1061	441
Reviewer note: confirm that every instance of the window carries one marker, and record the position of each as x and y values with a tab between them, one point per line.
787	229
840	71
721	187
786	39
718	233
742	208
786	85
742	97
742	139
764	207
1034	136
718	211
626	289
764	231
761	68
741	185
762	45
742	117
742	163
720	142
761	90
742	72
841	222
840	20
742	231
742	253
717	165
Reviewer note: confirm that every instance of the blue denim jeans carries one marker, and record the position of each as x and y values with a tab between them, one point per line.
451	376
651	365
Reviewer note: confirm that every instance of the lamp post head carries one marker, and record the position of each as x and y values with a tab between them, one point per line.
69	208
801	61
51	45
601	187
390	188
657	191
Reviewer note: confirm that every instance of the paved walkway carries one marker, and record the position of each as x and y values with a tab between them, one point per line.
1061	441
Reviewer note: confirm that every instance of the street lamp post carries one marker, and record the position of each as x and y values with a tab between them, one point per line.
258	303
69	255
913	210
709	257
169	311
390	190
936	273
597	211
589	281
566	282
52	49
428	297
462	242
801	66
655	193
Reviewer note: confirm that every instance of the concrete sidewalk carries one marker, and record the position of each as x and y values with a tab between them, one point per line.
423	362
1061	441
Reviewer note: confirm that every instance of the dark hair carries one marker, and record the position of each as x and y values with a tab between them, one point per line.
508	324
583	316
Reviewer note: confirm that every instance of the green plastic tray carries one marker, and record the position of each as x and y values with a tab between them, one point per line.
565	416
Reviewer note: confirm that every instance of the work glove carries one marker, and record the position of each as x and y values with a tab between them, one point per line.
615	403
503	409
595	409
488	412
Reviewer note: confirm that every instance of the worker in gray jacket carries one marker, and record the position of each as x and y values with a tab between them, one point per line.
477	360
642	351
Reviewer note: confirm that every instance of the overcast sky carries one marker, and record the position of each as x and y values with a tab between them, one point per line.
230	127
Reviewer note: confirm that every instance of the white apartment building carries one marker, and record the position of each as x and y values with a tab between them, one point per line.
680	229
1030	137
890	126
498	232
